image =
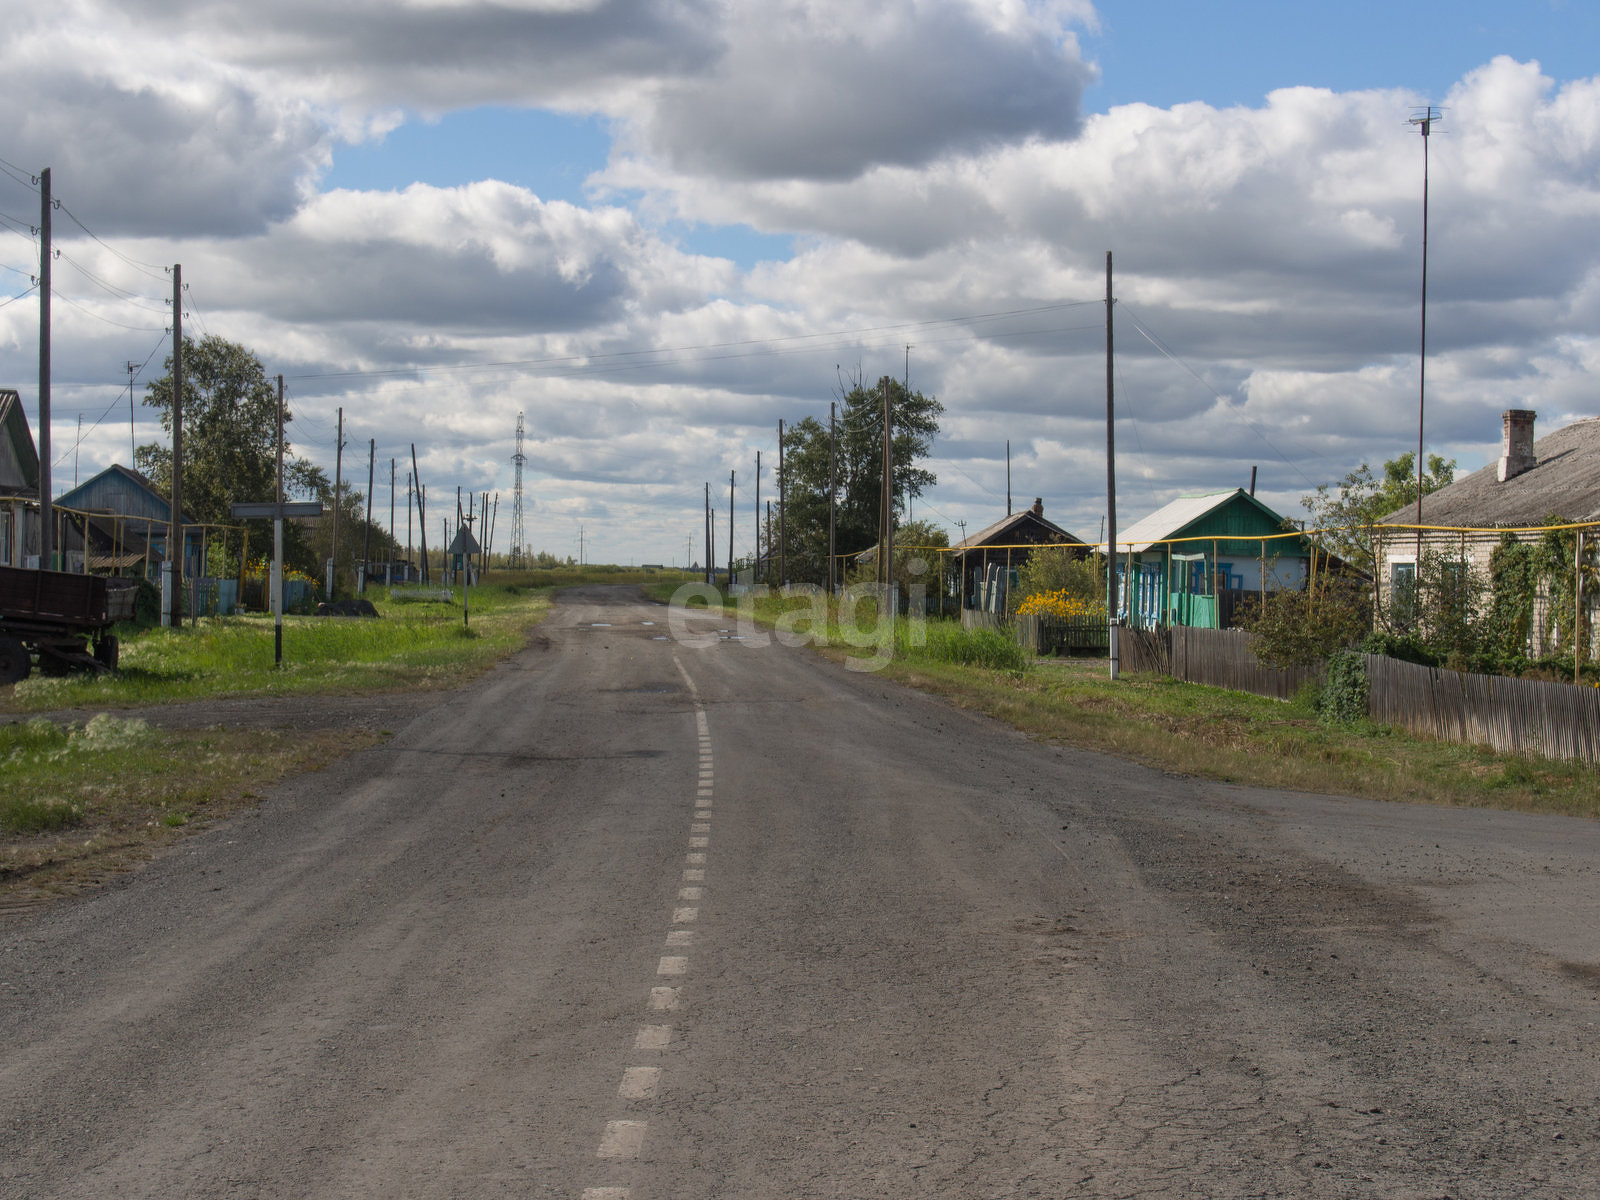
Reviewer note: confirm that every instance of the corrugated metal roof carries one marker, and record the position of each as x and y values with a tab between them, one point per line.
1170	518
1565	480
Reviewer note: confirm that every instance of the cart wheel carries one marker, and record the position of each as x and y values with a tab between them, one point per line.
105	652
14	661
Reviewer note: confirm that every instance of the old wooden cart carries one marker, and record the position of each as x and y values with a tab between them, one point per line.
61	619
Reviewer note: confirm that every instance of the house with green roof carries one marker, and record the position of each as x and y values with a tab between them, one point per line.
1195	560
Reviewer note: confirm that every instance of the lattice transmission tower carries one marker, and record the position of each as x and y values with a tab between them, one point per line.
516	504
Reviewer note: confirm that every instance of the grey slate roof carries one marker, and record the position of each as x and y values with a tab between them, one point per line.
1564	481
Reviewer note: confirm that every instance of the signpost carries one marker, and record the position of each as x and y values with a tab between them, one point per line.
277	511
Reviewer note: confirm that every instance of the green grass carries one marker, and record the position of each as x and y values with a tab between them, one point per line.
409	646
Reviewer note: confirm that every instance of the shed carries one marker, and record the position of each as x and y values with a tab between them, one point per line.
1193	560
1003	547
127	521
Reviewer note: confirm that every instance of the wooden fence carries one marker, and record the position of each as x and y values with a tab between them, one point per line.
1516	716
1143	650
1223	658
1053	635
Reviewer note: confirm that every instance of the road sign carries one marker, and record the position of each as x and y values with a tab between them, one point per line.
290	508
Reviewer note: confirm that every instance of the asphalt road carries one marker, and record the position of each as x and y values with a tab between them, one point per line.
638	919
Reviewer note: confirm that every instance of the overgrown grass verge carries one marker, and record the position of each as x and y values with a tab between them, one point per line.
85	801
409	647
1203	731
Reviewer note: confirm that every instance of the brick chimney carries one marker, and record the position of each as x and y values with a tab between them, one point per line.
1038	506
1516	451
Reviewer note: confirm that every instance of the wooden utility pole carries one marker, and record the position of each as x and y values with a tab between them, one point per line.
1111	484
393	541
366	537
708	531
758	516
338	467
175	544
46	521
833	487
730	530
422	515
1008	477
277	547
886	520
783	516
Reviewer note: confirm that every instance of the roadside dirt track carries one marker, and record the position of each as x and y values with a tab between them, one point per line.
631	918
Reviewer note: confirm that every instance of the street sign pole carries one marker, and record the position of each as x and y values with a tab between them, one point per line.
277	511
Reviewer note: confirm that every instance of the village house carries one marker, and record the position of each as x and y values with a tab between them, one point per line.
1194	561
1534	483
19	484
987	562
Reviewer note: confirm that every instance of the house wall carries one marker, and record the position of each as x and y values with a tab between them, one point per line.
1399	549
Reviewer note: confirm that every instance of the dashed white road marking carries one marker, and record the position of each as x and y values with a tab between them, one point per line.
694	875
691	893
608	1193
685	915
639	1083
672	964
701	841
653	1037
665	999
700	826
680	937
622	1139
695	858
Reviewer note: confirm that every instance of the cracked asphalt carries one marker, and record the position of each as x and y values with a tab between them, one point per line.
928	957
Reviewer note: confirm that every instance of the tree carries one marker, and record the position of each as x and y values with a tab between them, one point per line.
230	442
858	473
1347	511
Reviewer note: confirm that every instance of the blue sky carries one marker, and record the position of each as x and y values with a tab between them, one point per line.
601	197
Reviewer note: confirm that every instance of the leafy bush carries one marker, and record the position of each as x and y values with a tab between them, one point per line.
948	642
1407	647
1344	690
1297	629
1058	570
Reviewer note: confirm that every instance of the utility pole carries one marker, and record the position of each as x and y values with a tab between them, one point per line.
730	530
758	516
707	524
366	536
1008	477
1111	485
338	467
276	582
410	484
422	516
46	521
175	545
783	516
133	448
833	487
886	519
393	541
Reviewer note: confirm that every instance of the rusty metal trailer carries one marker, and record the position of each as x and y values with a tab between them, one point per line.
61	619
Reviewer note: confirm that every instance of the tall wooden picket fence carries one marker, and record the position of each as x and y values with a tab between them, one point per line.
1517	716
1223	658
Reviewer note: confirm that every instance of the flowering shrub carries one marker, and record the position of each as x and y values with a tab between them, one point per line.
1061	605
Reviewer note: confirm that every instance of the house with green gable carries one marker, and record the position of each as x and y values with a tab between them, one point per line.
1196	560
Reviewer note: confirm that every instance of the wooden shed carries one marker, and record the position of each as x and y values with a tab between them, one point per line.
126	523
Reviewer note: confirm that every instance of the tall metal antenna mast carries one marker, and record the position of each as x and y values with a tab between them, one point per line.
518	458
